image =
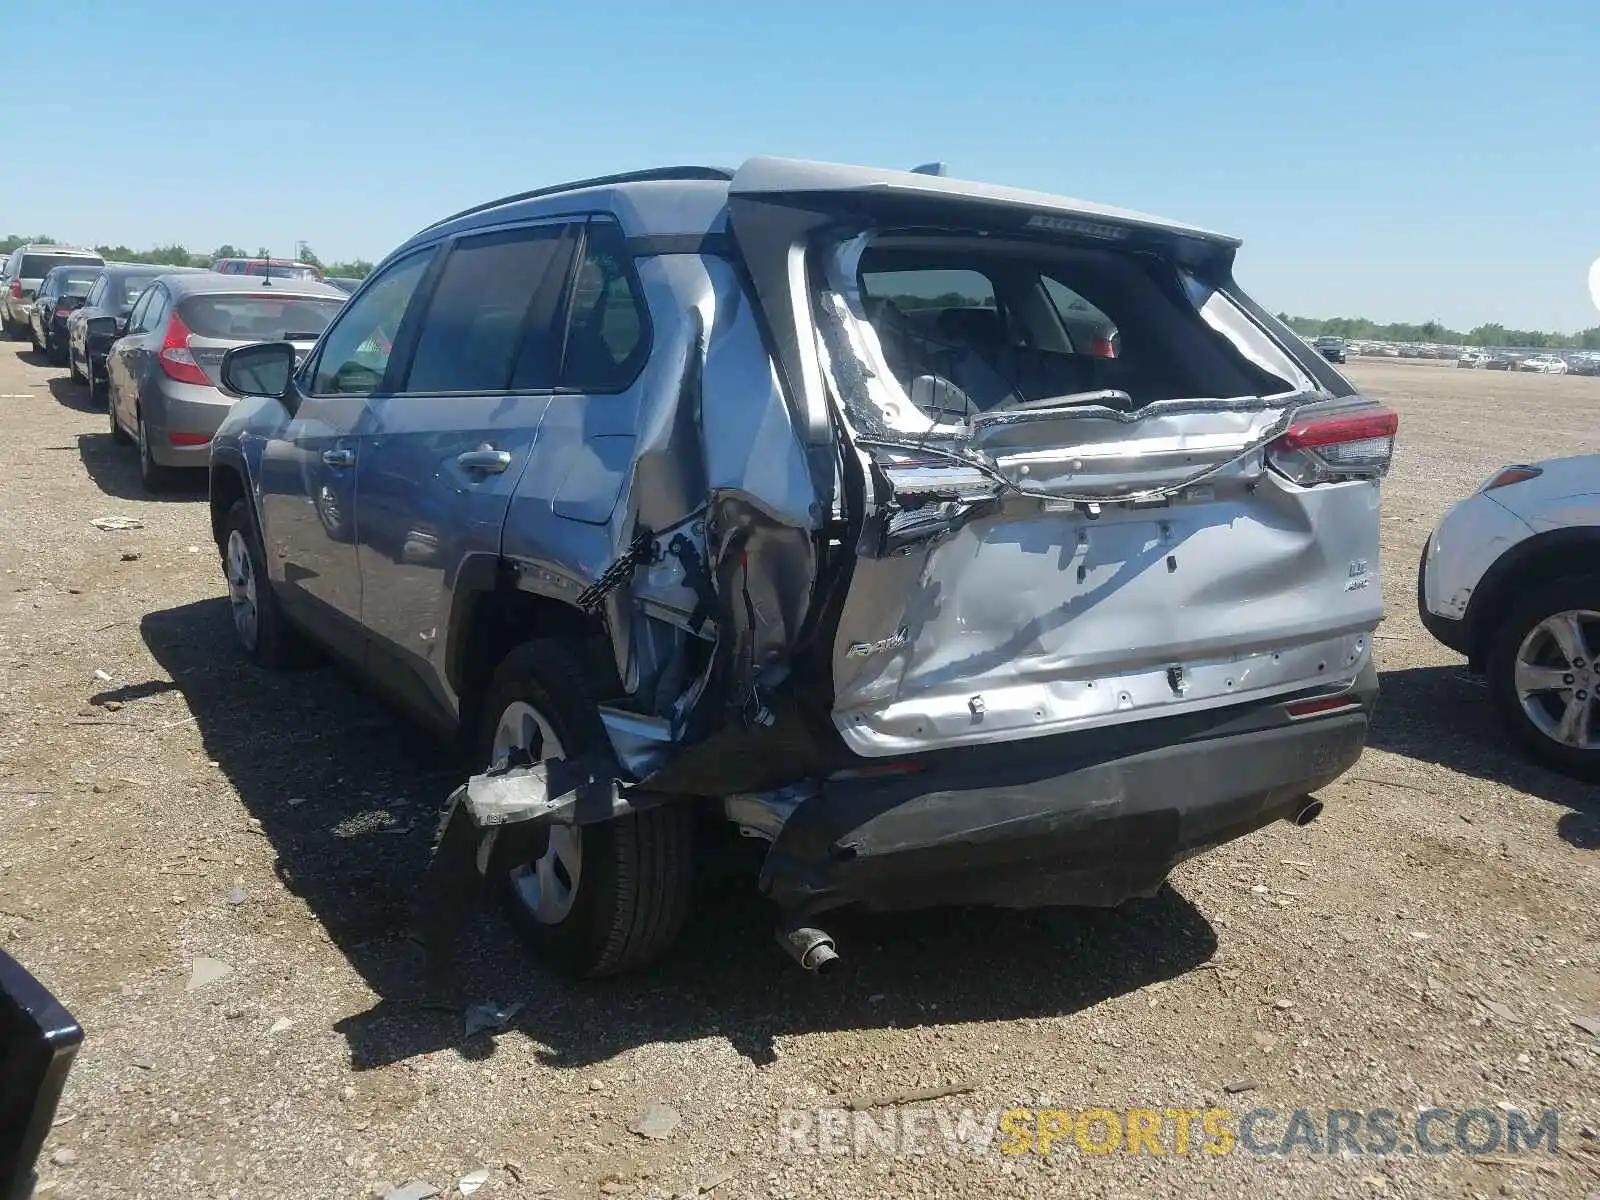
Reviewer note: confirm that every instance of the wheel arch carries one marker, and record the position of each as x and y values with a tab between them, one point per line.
492	612
229	483
1529	564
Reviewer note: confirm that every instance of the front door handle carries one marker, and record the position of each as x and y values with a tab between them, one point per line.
485	460
339	458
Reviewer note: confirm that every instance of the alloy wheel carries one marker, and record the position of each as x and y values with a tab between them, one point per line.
242	589
547	887
1555	678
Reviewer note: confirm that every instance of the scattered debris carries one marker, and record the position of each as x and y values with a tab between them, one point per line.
473	1180
130	556
716	1181
1589	1025
62	1119
236	896
656	1121
912	1096
206	971
1283	1004
489	1016
64	1157
516	1170
194	549
1239	1085
115	523
280	1025
417	1189
102	675
1418	935
1259	889
1296	862
144	1062
1499	1011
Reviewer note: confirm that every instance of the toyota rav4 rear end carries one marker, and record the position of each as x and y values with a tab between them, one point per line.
972	546
1096	610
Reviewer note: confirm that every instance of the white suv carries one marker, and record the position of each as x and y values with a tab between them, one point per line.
1511	579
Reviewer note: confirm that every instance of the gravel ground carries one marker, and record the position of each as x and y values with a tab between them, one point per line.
1429	941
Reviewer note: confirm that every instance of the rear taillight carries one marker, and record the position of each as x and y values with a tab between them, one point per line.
188	439
16	289
1101	347
176	359
1327	449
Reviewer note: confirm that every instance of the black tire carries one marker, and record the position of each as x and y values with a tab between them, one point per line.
155	477
33	338
100	392
276	643
73	373
633	890
53	353
10	328
1574	593
119	435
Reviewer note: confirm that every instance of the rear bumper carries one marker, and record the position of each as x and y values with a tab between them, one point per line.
185	409
1092	818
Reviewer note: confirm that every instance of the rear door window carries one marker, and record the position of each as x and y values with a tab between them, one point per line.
608	329
479	314
354	354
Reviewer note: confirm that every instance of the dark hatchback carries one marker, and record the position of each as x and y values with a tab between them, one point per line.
112	295
61	293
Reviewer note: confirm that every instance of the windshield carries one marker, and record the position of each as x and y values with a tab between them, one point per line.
261	318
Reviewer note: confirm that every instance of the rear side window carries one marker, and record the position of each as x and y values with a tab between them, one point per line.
36	266
608	327
259	318
1088	330
470	338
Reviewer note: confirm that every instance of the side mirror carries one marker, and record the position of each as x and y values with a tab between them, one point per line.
108	328
264	369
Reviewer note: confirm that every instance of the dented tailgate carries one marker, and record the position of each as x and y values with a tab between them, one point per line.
1061	562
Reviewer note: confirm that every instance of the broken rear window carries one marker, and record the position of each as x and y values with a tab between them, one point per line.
966	325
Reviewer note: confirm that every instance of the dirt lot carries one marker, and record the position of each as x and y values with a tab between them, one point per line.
1427	942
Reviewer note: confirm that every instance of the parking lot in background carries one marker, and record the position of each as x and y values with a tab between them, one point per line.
213	868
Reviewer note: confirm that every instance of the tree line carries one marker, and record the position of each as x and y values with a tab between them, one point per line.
176	255
1362	329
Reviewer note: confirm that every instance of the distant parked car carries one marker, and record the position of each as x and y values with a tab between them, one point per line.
60	292
162	372
1473	359
343	282
1544	364
1511	579
113	295
25	271
1331	348
276	268
1584	364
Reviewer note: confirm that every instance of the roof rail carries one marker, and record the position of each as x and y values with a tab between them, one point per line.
652	175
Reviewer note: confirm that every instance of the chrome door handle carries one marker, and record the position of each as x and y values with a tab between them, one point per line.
487	462
339	458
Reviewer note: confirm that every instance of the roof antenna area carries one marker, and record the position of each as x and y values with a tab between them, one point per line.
930	168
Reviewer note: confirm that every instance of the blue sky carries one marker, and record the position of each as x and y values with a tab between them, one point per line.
1397	160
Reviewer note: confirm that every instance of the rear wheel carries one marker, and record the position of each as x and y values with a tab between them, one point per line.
100	389
52	350
76	375
594	900
119	435
1543	676
34	338
154	476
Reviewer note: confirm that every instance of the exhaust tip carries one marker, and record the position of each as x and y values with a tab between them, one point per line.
1307	812
811	948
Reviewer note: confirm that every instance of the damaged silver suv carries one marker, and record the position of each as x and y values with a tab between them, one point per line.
964	545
